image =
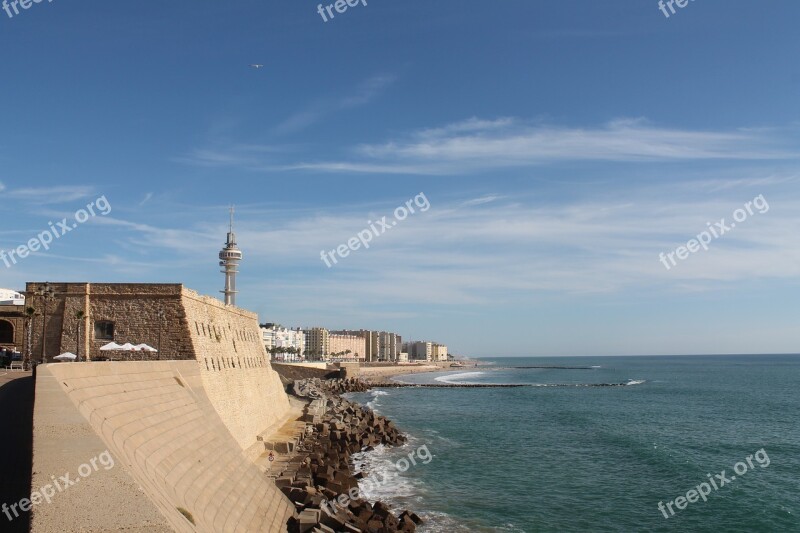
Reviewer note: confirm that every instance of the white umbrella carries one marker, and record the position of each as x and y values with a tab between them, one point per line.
128	347
146	348
68	356
110	346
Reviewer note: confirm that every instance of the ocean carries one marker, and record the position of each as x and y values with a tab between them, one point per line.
589	458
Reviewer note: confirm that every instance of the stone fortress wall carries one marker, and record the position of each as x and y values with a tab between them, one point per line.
237	376
185	428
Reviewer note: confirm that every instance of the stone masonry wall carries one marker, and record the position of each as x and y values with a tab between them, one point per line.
235	368
226	342
134	308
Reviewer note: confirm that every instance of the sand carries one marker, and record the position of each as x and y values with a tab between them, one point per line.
383	373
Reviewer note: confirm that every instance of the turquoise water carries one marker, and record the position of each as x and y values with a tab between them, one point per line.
599	459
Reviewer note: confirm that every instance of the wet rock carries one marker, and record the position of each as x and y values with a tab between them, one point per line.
321	482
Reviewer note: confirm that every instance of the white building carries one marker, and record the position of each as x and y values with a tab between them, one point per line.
387	346
439	352
425	351
419	350
9	297
293	340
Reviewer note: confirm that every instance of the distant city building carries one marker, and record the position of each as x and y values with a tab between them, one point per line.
425	351
317	342
12	320
379	345
439	352
370	342
387	346
419	350
347	345
275	337
9	297
268	335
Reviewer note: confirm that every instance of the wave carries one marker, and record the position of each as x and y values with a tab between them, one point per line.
376	395
636	382
383	480
452	379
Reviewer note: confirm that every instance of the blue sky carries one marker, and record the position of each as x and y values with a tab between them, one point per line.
562	147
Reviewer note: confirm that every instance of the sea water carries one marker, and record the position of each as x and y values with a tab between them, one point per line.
569	457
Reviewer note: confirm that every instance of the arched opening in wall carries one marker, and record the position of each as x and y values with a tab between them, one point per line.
104	330
6	332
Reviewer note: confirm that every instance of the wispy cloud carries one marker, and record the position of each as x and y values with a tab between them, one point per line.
245	156
476	145
362	94
479	145
50	195
487	249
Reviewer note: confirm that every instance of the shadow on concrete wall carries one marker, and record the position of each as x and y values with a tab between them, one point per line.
16	446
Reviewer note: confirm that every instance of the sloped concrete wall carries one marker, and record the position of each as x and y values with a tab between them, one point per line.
164	433
237	377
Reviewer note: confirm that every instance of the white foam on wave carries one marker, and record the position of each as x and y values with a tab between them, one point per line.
376	395
453	379
635	382
597	366
383	480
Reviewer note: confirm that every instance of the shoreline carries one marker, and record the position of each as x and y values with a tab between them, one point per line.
318	471
379	374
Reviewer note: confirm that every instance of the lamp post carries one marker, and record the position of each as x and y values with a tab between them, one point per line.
47	293
30	313
79	316
160	326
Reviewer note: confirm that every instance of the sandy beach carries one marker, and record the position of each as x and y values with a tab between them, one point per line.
382	373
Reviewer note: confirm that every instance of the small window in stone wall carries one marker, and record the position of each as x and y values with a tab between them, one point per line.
104	330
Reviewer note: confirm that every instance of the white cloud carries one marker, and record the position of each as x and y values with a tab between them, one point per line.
478	145
362	94
50	195
490	249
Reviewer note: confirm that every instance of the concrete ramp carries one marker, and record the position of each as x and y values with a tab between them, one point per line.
176	465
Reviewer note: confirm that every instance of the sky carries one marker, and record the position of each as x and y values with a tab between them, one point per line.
551	151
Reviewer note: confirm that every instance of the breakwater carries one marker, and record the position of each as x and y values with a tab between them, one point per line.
397	385
319	478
